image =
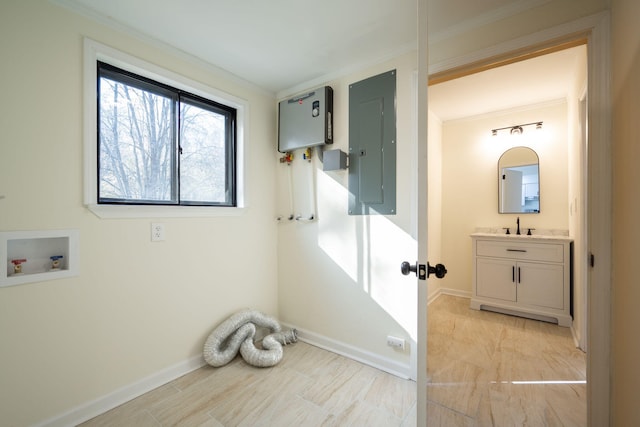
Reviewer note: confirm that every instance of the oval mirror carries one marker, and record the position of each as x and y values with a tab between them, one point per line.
519	181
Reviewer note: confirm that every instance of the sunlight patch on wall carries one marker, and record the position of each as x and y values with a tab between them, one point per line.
336	230
370	249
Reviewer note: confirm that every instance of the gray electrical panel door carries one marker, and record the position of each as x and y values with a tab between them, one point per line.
372	145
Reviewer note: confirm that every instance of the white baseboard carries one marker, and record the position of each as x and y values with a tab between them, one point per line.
432	296
116	398
576	341
385	364
447	291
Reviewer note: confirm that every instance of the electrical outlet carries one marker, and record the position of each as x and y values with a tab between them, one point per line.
157	232
395	342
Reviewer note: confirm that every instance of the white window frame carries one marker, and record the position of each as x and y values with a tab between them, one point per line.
93	52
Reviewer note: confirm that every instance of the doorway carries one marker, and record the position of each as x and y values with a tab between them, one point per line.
544	90
598	219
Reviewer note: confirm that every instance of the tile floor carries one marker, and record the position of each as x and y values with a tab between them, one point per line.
490	369
485	369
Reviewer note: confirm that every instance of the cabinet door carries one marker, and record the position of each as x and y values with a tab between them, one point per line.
541	284
495	278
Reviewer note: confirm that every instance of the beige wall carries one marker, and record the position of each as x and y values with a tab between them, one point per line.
340	276
626	212
474	38
434	214
470	180
137	307
577	197
69	341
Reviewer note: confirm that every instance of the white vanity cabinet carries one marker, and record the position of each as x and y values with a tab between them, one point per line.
528	276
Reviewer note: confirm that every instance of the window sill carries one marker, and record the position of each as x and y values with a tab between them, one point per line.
121	212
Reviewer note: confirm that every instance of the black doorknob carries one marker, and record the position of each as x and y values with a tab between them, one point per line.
425	271
439	270
407	268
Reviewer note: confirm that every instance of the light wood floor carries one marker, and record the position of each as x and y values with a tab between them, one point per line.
485	369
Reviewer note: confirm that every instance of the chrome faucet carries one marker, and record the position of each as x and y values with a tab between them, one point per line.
518	223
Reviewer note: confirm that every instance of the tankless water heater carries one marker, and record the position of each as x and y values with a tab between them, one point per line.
306	120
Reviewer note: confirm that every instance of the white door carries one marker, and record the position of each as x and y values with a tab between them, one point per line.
512	198
421	214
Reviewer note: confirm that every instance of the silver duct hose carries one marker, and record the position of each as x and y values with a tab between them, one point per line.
237	334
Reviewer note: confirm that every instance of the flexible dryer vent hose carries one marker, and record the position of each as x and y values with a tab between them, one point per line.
237	334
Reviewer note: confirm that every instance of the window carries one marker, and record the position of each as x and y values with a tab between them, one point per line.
160	145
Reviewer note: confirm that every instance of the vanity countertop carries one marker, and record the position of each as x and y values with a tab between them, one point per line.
546	237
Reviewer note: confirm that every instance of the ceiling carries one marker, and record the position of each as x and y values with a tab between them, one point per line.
282	44
534	81
275	44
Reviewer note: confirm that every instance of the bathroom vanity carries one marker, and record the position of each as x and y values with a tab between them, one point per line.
527	276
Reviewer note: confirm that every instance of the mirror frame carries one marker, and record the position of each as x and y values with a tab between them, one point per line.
528	160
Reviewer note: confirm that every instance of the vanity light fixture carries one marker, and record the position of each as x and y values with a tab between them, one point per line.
517	129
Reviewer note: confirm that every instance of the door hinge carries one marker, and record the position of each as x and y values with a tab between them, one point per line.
592	259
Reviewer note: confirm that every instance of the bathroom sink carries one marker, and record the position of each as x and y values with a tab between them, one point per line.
546	234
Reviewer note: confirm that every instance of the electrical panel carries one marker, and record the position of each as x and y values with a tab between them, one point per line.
306	120
372	145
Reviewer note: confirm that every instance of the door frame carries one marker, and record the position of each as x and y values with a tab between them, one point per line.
595	30
422	114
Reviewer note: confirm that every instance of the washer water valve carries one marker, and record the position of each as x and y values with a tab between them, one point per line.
287	158
17	265
55	262
307	154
